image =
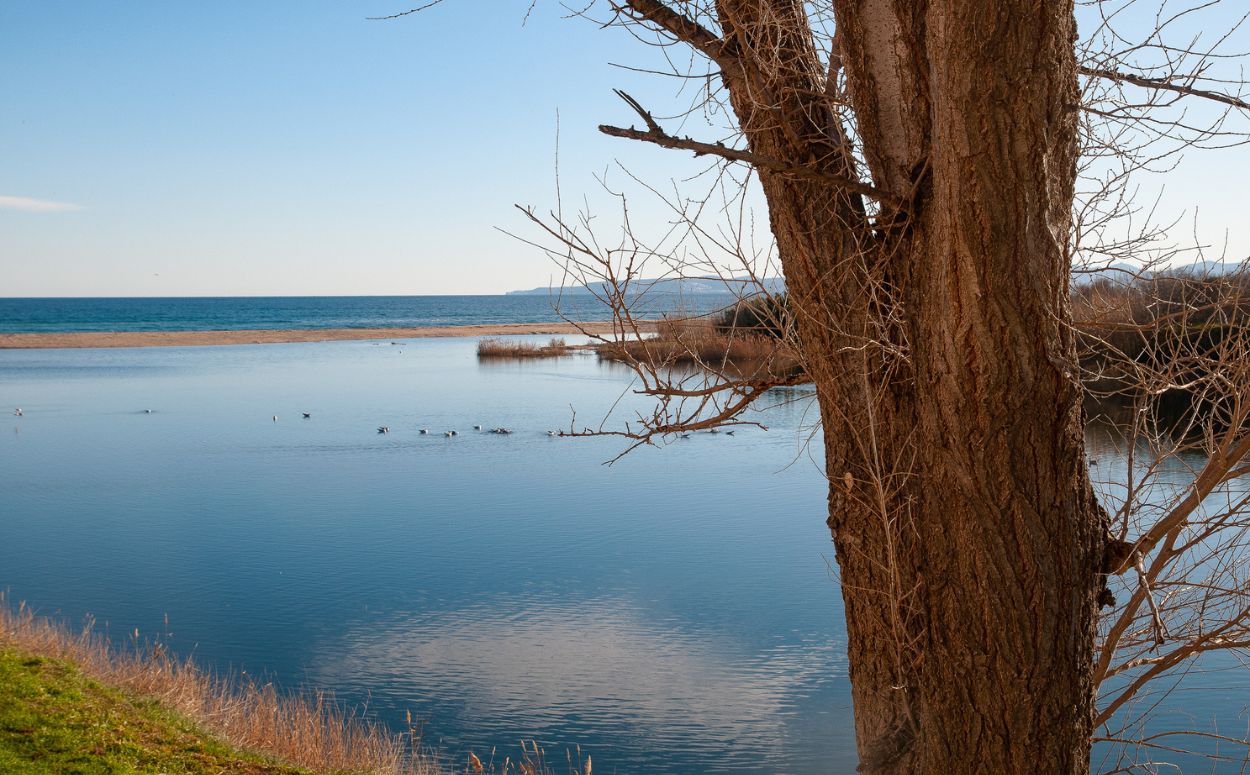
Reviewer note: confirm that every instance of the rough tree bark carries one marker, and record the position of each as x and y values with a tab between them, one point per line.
937	334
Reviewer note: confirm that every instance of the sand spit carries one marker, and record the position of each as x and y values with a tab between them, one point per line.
279	336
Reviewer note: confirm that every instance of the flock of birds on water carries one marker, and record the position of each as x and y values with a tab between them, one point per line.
502	431
17	412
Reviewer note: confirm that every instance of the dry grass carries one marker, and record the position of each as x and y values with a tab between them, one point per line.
1156	321
309	730
699	342
512	348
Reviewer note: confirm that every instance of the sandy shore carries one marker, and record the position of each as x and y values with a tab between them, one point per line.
201	338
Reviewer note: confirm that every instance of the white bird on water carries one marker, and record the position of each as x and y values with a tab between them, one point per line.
17	412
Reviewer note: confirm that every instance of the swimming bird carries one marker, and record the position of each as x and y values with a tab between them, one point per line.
17	412
424	431
685	435
713	430
552	433
477	427
307	415
275	418
383	429
729	433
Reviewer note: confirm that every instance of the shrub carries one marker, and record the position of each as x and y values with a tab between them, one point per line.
764	314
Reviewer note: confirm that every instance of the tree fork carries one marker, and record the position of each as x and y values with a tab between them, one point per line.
971	576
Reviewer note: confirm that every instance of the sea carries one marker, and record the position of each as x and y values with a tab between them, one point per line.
674	610
61	315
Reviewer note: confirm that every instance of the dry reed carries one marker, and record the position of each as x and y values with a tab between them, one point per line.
699	342
511	348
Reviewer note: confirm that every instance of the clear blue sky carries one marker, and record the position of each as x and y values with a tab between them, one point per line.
295	147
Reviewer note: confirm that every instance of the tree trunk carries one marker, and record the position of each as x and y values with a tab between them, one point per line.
968	538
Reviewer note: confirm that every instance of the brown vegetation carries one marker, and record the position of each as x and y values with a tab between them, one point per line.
1175	325
704	343
518	348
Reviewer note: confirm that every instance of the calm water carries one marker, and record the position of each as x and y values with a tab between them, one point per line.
672	613
241	313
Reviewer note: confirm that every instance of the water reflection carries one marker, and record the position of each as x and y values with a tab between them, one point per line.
570	670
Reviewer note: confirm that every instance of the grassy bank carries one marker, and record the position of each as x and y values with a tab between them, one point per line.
73	702
307	730
54	719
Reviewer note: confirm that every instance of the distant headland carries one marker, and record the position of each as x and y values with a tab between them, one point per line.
677	286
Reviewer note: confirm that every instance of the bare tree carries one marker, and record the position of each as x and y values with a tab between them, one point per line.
932	171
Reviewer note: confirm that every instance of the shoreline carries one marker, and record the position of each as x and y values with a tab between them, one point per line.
85	339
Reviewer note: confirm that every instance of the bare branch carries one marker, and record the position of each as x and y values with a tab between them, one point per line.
1165	85
682	28
409	12
654	134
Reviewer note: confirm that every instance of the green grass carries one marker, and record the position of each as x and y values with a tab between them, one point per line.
53	719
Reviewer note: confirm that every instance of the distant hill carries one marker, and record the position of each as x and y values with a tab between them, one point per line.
696	286
685	286
1121	272
1205	268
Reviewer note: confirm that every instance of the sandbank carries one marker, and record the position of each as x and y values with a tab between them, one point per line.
279	336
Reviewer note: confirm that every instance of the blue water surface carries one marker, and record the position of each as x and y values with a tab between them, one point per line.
674	612
60	315
671	613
